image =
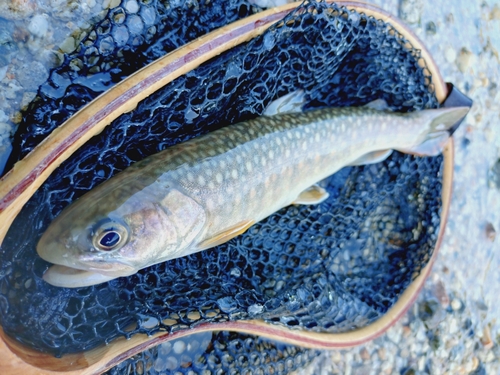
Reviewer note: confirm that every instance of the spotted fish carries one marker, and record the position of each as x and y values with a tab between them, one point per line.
203	192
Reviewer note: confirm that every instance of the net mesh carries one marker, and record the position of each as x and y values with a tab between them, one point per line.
217	353
331	267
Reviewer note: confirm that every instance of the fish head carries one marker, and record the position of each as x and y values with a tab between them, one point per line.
95	240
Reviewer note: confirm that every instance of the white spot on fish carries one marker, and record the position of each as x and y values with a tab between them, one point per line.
211	185
201	180
234	174
190	177
271	154
249	166
287	153
218	178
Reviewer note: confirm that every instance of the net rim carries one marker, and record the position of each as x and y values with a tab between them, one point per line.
22	181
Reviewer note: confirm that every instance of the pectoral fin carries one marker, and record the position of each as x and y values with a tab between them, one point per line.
226	235
378	104
289	103
372	157
313	195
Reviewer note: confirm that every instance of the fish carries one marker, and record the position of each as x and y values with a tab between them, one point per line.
203	192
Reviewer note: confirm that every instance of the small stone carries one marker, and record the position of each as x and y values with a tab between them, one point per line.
456	304
406	331
39	25
16	117
464	60
382	354
430	28
404	353
179	347
28	97
490	232
490	357
32	74
495	13
441	295
411	10
135	24
473	364
121	35
107	45
69	45
17	9
450	54
131	6
255	309
486	339
453	327
364	354
110	4
227	304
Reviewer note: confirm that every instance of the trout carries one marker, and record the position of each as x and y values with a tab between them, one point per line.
201	193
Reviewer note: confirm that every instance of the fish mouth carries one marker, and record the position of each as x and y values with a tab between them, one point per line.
69	277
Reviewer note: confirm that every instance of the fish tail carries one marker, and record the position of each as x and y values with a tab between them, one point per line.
440	125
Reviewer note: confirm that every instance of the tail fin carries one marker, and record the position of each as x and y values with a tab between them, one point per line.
442	123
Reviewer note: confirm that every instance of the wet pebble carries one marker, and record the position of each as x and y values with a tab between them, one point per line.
464	60
132	6
39	25
411	10
456	304
227	304
495	13
69	45
490	232
17	9
135	24
121	35
450	54
148	15
31	75
430	28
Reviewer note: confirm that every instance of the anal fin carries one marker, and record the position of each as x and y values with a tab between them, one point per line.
313	195
226	235
372	157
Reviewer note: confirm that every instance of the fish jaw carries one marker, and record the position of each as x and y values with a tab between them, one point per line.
67	277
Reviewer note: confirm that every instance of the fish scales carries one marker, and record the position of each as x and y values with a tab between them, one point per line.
201	193
292	150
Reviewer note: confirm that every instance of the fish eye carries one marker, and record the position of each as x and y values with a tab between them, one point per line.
109	235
